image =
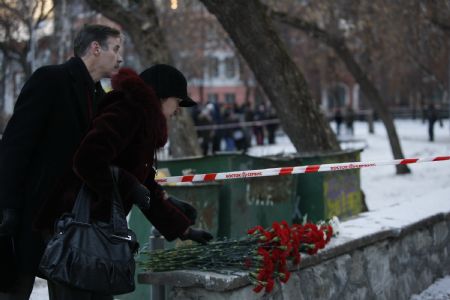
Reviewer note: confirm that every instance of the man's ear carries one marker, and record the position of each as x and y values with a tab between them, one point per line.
94	48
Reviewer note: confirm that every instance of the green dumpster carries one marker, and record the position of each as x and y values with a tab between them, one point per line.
205	198
244	203
326	194
228	208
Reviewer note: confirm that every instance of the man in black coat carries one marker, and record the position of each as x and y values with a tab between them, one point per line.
51	116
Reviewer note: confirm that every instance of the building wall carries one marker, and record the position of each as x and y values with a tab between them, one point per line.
222	81
222	94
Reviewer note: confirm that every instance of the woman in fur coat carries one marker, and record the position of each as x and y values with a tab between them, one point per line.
130	127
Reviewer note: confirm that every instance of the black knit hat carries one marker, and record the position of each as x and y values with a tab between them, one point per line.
168	81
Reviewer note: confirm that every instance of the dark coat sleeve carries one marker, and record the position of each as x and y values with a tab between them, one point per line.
167	218
23	134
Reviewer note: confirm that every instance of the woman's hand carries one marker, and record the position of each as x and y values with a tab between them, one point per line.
197	235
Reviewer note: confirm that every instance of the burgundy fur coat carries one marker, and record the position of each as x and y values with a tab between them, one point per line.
127	131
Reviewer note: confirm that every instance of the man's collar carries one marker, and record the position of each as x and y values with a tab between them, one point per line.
79	70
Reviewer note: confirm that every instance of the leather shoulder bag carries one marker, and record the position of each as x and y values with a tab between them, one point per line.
92	255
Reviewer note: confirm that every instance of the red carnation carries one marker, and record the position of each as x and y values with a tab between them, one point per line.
269	285
258	288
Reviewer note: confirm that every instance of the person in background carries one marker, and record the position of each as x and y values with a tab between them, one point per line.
338	118
217	120
206	135
248	116
229	118
349	119
51	116
432	117
258	129
239	137
272	127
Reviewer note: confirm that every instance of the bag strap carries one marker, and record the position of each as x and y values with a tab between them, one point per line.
81	208
118	218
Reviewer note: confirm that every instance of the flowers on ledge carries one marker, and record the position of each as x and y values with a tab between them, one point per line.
265	253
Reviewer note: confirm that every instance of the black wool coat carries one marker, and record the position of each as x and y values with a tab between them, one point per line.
50	118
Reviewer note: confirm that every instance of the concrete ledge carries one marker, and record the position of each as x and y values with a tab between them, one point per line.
340	246
208	280
379	263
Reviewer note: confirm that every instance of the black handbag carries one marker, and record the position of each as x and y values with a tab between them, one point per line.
93	256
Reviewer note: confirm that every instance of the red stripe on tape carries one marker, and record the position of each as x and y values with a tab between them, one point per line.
286	171
210	177
409	161
441	158
187	178
312	169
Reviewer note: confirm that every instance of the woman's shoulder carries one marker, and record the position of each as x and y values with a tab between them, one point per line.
129	89
113	98
129	82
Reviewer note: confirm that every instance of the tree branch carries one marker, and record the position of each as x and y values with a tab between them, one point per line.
444	25
112	10
309	28
416	60
43	15
16	12
367	86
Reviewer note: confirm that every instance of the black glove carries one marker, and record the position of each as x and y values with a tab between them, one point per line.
9	221
197	235
187	209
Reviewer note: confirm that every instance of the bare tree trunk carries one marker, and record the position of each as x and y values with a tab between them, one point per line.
62	34
3	68
141	22
178	146
439	14
249	26
26	65
22	15
367	86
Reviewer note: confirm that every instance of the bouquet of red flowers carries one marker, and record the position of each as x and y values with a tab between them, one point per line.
264	253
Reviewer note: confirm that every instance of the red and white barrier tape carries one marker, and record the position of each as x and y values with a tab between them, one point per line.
293	170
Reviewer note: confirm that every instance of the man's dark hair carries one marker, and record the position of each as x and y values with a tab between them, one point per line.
90	33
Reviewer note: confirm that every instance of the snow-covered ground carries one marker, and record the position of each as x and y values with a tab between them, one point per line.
424	192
